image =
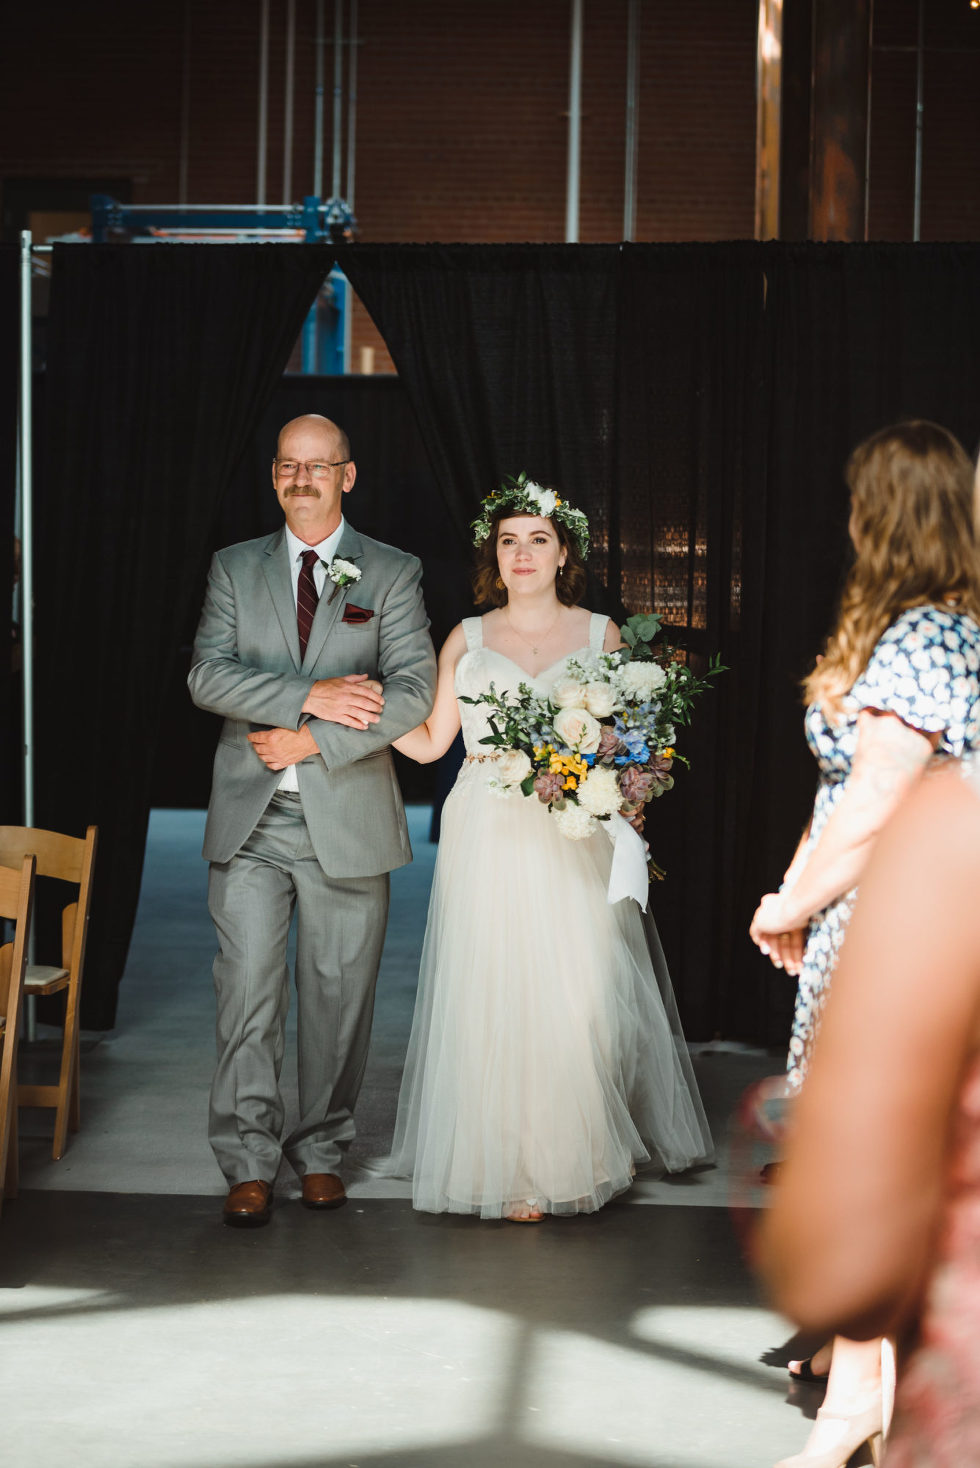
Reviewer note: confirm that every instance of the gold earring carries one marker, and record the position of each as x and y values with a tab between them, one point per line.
499	583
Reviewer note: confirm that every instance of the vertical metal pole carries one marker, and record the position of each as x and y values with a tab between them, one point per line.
263	102
27	523
338	92
632	117
287	125
185	110
351	104
26	447
318	110
574	127
920	53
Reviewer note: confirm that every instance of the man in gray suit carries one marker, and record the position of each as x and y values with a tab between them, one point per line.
314	646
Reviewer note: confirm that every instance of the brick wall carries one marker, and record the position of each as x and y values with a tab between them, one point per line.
951	121
461	125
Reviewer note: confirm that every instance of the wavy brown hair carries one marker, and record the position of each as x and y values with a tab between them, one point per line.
569	586
915	541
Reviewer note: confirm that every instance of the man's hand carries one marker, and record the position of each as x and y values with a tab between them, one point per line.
278	748
356	700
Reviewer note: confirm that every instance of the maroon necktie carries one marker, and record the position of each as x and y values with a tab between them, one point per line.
306	599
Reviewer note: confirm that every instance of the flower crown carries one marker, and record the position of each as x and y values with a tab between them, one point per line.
521	496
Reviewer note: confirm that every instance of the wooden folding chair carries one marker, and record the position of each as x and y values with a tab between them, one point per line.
16	900
70	859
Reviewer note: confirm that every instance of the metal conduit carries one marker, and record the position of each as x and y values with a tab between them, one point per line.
338	92
318	111
574	127
287	125
632	117
351	104
263	104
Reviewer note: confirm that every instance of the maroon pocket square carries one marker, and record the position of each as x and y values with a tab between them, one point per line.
356	616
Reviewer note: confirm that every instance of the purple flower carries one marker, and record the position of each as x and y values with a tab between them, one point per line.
636	785
549	787
609	743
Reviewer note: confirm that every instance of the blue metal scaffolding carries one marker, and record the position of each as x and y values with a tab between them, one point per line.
326	331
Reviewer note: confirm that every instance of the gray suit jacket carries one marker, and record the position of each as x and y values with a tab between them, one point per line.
247	667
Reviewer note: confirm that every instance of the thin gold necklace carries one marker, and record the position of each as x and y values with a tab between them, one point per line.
541	639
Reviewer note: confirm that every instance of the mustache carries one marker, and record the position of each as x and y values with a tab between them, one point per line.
305	490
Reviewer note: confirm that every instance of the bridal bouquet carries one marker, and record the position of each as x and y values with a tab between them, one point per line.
602	743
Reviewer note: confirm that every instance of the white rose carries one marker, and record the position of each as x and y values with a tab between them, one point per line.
579	730
545	499
600	699
574	822
568	693
599	792
641	680
512	767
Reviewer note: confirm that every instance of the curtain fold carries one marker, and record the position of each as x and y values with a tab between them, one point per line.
508	357
159	360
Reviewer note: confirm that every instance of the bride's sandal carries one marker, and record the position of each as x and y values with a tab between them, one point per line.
531	1212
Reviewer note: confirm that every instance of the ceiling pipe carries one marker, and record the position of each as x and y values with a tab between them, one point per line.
183	171
632	117
352	104
318	110
287	124
338	93
574	127
263	103
920	69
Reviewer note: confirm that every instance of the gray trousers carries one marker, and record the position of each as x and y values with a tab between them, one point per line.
340	934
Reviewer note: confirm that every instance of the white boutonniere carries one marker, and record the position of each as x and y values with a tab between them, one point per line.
342	573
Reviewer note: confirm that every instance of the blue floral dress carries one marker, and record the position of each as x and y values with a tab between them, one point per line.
926	669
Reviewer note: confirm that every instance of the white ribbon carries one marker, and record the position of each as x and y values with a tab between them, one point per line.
628	874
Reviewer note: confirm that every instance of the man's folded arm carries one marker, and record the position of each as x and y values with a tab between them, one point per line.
406	669
220	683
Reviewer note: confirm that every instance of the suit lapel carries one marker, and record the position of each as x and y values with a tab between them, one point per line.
333	598
276	568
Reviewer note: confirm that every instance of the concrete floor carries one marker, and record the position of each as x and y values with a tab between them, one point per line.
136	1329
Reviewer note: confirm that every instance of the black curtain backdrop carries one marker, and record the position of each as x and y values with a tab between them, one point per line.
159	360
508	355
697	401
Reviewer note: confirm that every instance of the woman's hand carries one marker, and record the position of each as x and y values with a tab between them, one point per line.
774	935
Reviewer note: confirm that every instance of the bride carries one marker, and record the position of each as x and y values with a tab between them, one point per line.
542	1069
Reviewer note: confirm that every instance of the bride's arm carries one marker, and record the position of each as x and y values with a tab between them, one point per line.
612	639
428	741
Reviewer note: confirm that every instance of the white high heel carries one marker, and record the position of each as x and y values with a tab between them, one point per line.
853	1430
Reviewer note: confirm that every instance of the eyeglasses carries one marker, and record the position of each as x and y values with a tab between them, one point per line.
286	468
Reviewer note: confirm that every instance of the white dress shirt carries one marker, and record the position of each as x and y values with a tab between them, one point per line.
326	551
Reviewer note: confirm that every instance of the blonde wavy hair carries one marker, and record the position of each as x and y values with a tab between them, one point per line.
915	541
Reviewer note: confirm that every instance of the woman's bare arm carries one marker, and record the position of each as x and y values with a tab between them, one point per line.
847	1242
428	741
889	758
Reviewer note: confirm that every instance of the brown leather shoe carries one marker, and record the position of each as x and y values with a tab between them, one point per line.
323	1190
248	1205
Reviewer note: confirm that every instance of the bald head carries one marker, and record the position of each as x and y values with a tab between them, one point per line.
311	473
315	423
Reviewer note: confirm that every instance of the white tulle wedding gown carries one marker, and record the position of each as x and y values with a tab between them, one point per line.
542	1063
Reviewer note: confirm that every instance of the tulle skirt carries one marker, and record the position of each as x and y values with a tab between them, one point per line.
545	1062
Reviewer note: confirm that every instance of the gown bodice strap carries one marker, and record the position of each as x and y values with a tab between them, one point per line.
473	632
597	631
